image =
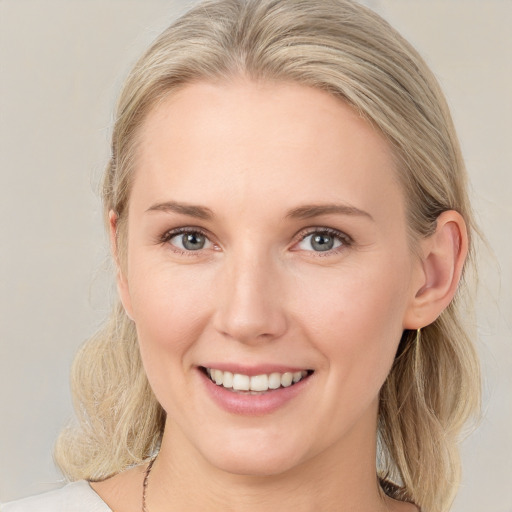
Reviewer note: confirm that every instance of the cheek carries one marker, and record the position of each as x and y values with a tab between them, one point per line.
356	317
170	313
166	297
165	305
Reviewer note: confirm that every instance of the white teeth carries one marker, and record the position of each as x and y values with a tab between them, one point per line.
256	383
274	380
286	379
227	380
218	376
240	382
259	383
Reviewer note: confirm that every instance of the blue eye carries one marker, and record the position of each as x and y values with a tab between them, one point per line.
189	240
321	241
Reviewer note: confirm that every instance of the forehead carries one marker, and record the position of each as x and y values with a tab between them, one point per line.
258	141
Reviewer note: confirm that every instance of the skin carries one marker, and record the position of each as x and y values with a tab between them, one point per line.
253	154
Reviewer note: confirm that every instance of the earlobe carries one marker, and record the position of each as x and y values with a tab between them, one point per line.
112	222
442	261
122	283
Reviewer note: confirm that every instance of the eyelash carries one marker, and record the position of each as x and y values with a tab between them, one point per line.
168	235
346	240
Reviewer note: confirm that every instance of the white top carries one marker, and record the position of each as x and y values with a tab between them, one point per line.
74	497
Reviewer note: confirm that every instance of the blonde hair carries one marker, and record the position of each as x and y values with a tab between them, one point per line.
346	49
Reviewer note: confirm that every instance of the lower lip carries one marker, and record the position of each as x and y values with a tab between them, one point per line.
252	405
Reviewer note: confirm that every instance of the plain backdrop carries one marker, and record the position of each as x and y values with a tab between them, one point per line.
62	64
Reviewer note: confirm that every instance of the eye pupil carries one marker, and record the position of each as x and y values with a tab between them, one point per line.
322	242
193	241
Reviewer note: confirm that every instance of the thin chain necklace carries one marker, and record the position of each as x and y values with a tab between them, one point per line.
145	484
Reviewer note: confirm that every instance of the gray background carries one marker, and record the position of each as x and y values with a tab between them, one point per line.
62	63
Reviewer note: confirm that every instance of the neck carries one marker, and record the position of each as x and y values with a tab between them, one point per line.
340	479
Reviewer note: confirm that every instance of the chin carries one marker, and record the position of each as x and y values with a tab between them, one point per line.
259	467
253	459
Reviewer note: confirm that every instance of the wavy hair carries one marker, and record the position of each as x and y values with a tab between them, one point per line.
346	49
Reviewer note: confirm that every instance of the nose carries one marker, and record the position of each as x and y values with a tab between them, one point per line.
251	300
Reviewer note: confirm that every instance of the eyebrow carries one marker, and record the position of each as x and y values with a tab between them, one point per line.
200	212
315	210
301	212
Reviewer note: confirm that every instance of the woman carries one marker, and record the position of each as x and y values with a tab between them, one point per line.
288	215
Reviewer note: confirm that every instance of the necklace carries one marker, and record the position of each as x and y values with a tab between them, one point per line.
146	480
145	484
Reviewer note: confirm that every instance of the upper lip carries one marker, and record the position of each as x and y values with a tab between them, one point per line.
252	370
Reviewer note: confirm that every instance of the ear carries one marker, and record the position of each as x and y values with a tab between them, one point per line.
442	259
122	283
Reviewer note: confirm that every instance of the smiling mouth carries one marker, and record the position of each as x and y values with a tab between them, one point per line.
255	384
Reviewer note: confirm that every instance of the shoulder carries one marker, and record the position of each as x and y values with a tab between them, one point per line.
74	497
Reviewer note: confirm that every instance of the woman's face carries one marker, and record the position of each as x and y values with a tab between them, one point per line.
267	244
